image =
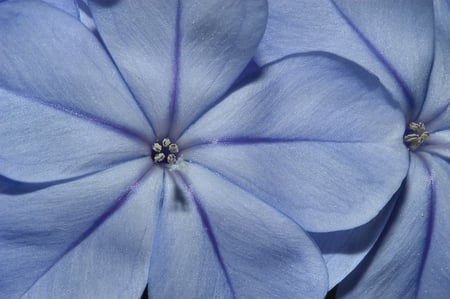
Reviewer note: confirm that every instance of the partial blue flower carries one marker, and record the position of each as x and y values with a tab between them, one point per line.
93	204
408	47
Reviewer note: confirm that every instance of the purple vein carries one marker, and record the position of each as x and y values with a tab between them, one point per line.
158	224
389	67
437	116
430	222
261	140
175	70
83	116
246	190
118	203
207	228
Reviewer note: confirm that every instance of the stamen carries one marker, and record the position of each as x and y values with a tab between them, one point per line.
171	159
416	136
165	152
157	147
166	142
159	157
173	148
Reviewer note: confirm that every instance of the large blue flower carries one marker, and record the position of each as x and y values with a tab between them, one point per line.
143	164
407	45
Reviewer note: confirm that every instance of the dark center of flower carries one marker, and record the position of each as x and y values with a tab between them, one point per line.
415	135
165	152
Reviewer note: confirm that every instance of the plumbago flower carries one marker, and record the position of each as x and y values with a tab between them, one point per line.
408	47
143	164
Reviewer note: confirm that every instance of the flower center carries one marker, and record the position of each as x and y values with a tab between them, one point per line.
165	152
415	135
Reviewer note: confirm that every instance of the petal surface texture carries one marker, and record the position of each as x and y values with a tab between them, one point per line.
69	80
69	6
82	238
315	136
216	244
179	56
411	258
436	109
344	250
392	39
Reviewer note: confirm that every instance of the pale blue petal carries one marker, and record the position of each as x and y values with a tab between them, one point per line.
88	238
393	39
436	110
49	55
395	267
438	143
216	240
315	136
41	142
69	6
85	15
435	277
183	263
344	250
179	56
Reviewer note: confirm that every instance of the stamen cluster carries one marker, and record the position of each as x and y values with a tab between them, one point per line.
165	151
416	136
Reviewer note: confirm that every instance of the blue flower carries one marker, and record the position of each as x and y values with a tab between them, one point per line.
408	47
146	164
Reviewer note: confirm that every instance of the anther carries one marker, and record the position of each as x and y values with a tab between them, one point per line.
173	148
159	157
166	142
165	152
416	136
171	159
157	147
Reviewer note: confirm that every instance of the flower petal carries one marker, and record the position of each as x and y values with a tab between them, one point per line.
34	149
436	109
49	55
316	136
396	265
86	238
179	56
344	250
69	6
392	39
435	277
438	143
218	241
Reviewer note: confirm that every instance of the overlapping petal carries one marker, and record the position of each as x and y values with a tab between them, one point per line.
438	143
397	264
41	142
216	244
436	109
344	250
328	155
50	56
174	53
435	276
69	6
82	237
393	39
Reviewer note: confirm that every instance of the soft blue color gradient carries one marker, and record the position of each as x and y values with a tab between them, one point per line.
407	45
419	228
84	212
